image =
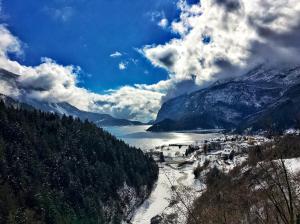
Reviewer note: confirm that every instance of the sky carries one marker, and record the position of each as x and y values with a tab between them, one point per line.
99	36
126	58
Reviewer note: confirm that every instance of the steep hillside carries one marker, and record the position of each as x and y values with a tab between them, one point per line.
230	103
60	170
263	189
281	115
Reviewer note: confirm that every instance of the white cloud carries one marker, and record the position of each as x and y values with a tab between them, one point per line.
135	103
8	42
116	54
241	34
53	82
163	23
159	17
122	65
8	90
218	38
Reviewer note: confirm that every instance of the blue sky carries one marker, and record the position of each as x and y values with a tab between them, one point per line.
87	32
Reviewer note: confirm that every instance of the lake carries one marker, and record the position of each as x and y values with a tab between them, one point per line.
138	136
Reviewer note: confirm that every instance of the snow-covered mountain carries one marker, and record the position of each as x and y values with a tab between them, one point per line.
238	103
9	81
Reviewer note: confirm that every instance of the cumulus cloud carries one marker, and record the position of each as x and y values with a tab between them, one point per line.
52	82
130	102
220	38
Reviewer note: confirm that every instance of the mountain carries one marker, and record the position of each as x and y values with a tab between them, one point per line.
283	114
58	169
10	102
237	103
65	108
69	110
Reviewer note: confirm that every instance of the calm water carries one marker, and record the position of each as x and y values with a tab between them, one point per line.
139	137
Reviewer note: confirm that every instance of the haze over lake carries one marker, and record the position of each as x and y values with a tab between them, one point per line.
138	136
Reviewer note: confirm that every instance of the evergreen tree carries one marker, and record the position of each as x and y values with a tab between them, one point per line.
61	170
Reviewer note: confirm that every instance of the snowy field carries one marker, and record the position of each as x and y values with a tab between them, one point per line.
162	195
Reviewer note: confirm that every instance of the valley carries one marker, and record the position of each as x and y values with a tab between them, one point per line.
159	112
215	128
178	185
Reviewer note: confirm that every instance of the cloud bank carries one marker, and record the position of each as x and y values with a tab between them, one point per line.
217	39
220	38
52	82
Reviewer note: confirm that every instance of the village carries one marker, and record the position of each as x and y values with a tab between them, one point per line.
182	171
224	153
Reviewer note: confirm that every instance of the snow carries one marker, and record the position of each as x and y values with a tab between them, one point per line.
177	172
158	200
292	131
293	165
162	195
59	109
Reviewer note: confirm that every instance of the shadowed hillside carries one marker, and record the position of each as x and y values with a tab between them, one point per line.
62	170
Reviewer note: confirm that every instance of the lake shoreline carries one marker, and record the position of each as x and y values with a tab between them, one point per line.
182	153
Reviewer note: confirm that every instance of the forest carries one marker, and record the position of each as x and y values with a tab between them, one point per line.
62	170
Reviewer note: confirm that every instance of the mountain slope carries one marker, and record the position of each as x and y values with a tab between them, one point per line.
9	79
69	110
281	115
57	170
227	104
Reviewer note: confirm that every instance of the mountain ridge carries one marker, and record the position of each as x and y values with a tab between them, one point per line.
228	104
63	108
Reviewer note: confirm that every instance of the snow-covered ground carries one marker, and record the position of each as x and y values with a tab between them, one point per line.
158	200
177	187
293	165
162	195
